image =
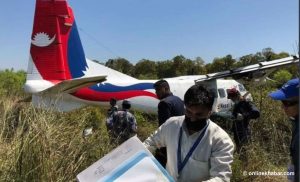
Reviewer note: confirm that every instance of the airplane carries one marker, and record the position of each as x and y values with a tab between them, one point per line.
60	77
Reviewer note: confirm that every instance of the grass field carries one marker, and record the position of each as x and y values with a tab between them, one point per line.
42	145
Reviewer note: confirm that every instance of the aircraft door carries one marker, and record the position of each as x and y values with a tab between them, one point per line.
224	104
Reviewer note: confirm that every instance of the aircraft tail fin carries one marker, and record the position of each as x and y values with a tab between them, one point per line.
54	41
56	52
57	65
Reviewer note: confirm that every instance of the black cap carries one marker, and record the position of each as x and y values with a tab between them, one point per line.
126	104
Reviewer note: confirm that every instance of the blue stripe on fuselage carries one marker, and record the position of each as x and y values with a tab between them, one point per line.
107	87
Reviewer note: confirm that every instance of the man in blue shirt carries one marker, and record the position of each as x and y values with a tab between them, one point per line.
288	94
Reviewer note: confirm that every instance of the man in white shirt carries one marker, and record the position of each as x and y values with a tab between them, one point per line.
197	148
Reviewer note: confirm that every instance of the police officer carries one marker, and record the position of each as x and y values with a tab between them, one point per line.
113	106
122	124
169	106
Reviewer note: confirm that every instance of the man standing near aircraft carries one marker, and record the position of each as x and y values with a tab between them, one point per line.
197	148
169	106
288	94
122	124
113	107
243	111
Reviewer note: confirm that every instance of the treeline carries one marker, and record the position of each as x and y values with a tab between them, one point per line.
179	65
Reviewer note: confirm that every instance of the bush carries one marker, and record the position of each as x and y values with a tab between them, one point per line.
11	83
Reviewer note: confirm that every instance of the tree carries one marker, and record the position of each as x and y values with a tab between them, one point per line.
11	83
282	76
268	53
198	67
279	56
121	64
221	64
180	65
184	66
228	62
145	69
165	69
247	60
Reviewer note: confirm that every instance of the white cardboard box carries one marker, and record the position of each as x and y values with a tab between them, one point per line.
131	161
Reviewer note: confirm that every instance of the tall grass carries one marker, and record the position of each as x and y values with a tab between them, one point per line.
48	146
269	146
43	145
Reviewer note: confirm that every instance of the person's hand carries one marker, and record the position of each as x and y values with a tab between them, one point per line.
239	117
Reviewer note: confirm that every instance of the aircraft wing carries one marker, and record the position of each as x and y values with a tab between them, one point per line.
251	71
70	86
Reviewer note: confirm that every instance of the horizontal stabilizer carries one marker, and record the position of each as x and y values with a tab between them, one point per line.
70	86
251	70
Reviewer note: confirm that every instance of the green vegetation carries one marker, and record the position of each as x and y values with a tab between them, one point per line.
43	145
11	82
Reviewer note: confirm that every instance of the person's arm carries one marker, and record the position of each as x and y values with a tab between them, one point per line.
157	139
133	124
225	114
164	112
253	111
109	122
221	159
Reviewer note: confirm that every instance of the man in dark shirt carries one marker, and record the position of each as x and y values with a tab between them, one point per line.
288	94
242	112
169	106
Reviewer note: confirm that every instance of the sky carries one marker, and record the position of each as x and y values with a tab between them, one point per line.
160	29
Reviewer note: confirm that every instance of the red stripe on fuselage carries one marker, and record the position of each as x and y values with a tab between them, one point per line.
92	95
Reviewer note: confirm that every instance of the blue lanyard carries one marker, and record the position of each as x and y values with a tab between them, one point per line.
180	165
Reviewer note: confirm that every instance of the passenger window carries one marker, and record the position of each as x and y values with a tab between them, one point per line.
241	88
222	93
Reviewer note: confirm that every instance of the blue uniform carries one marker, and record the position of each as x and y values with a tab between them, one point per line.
122	125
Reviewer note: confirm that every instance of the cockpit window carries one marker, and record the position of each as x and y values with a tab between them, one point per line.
221	92
241	88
